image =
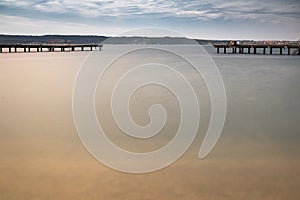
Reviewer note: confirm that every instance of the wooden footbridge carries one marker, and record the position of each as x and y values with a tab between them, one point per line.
14	48
258	48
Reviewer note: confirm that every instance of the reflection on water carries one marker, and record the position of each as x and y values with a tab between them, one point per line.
257	156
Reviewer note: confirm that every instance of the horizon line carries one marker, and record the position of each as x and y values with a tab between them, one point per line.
108	36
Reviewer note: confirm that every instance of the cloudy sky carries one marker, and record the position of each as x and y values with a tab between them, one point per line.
214	19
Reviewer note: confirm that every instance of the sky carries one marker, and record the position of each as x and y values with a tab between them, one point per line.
201	19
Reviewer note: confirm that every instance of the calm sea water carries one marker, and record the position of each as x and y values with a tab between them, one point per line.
257	156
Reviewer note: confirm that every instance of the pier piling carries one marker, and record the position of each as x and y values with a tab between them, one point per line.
51	47
264	48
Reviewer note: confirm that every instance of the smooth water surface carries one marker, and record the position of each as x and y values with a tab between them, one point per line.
257	156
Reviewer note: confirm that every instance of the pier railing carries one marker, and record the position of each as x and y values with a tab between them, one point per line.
253	48
14	48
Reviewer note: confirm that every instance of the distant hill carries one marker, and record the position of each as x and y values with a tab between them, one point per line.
61	39
149	40
83	39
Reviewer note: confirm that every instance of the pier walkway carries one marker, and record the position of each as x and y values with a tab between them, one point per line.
254	49
14	48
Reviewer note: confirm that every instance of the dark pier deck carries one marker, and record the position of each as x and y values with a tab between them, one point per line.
14	48
259	48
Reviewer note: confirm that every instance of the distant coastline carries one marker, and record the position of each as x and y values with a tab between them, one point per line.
92	39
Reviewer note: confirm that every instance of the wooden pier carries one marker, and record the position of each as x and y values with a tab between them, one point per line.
14	48
256	48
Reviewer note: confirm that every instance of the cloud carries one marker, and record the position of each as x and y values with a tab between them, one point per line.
23	25
199	14
264	11
268	17
96	8
203	10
